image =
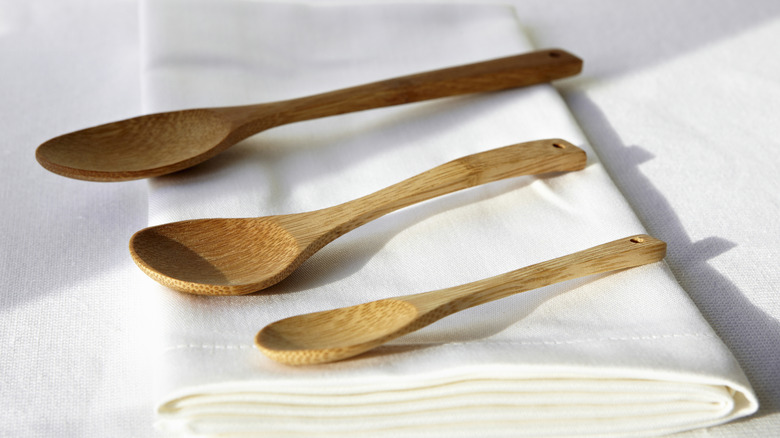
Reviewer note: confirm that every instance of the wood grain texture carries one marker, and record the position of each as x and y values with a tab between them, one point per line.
157	144
345	332
239	256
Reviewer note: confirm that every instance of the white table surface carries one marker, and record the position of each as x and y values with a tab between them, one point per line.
680	99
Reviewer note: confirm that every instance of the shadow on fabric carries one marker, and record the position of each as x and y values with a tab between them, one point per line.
747	330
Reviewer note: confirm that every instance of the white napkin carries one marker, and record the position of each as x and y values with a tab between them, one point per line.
619	354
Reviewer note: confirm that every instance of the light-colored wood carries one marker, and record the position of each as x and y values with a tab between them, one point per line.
345	332
162	143
239	256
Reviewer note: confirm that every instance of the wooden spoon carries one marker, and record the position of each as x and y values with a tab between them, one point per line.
162	143
239	256
337	334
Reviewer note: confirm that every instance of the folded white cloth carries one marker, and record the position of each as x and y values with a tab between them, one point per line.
619	354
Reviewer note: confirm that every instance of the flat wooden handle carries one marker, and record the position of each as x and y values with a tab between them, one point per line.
497	74
534	157
623	253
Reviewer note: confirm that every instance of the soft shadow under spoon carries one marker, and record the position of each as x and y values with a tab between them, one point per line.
157	144
239	256
337	334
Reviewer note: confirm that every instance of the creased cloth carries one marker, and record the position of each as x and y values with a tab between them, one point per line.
619	354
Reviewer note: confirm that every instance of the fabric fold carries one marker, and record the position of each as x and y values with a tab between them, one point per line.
619	354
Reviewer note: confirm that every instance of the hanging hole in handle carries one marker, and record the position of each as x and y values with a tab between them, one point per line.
559	145
637	240
554	55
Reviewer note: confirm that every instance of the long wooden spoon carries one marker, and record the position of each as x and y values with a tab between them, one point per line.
239	256
162	143
337	334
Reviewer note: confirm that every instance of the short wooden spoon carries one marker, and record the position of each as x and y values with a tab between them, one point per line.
239	256
157	144
337	334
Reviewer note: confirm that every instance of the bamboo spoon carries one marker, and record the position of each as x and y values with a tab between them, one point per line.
239	256
337	334
162	143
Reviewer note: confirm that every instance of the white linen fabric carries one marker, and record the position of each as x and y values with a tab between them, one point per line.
67	295
619	354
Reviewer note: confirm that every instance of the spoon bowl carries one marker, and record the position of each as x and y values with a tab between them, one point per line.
341	333
212	257
338	334
238	256
154	144
158	144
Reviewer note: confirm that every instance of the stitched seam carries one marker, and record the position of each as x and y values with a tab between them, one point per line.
207	347
614	338
552	342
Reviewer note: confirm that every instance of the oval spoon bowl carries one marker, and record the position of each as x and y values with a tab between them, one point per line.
341	333
151	145
216	256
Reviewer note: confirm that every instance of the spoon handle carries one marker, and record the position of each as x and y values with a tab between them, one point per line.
624	253
497	74
534	157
